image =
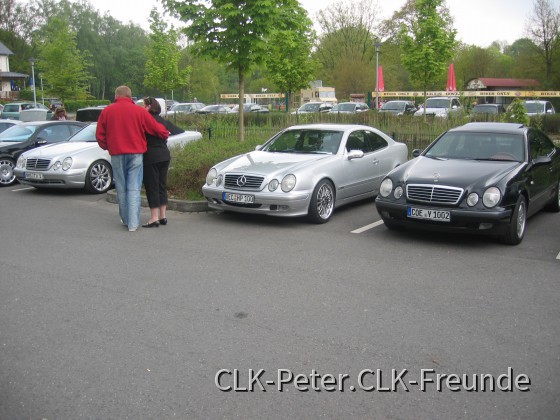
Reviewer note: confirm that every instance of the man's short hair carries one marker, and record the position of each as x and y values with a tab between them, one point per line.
123	91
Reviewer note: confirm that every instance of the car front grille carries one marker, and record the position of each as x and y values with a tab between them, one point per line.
38	164
434	193
243	182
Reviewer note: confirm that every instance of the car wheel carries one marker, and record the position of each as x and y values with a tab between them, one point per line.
555	203
7	176
516	229
322	202
99	177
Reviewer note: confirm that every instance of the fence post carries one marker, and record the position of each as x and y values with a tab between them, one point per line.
210	133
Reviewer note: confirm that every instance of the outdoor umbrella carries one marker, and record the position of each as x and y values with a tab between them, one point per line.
451	85
381	84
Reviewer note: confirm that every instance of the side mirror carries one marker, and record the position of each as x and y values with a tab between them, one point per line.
417	152
258	147
541	160
355	154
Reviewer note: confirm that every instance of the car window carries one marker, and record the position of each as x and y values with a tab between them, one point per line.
305	141
18	133
481	146
373	142
539	144
11	108
356	141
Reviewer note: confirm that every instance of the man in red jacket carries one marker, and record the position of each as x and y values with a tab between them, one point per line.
121	129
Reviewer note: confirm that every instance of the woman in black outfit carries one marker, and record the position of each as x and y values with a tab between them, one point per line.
156	165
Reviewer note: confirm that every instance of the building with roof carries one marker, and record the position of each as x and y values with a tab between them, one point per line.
494	84
7	78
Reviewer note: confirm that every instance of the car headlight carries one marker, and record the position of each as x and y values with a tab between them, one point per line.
386	187
211	176
491	197
472	199
288	183
57	165
219	180
273	185
66	163
21	162
398	192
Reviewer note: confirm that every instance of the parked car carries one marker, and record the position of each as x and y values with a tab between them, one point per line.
538	108
5	124
169	103
487	109
312	107
13	109
399	107
305	170
76	163
349	108
214	109
248	108
443	107
184	108
29	135
89	114
480	177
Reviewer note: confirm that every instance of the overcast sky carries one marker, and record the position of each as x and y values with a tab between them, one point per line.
478	22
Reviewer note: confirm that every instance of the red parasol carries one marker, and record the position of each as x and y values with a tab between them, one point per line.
451	85
381	84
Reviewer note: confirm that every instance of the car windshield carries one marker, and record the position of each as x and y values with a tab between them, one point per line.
393	106
343	107
485	109
534	107
309	107
85	134
478	146
305	141
437	103
18	133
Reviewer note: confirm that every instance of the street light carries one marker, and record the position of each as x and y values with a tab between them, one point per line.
377	48
32	61
42	91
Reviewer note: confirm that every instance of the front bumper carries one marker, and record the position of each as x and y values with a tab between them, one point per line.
72	178
482	221
276	203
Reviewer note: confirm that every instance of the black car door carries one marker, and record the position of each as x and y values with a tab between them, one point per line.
542	182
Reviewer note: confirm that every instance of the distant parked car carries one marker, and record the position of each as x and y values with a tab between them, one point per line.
312	107
247	108
89	114
399	107
29	135
214	109
442	107
169	103
13	109
184	108
494	109
538	108
305	170
349	108
485	178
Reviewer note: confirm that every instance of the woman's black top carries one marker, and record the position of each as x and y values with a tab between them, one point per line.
157	148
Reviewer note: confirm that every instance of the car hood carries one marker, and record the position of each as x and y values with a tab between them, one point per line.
435	111
268	163
454	172
64	148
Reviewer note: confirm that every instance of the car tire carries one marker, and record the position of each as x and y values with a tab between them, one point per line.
554	205
516	228
7	176
99	177
321	206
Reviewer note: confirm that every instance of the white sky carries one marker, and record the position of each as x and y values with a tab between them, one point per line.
478	22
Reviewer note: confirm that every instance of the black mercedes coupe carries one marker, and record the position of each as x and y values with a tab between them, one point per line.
479	177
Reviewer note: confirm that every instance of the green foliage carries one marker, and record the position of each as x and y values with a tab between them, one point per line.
516	112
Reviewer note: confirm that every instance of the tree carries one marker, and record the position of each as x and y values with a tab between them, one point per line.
543	29
234	33
63	66
428	43
162	64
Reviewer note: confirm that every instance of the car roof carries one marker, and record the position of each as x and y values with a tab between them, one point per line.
536	101
51	122
510	128
330	126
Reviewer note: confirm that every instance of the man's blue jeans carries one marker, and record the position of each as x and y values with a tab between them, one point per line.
127	173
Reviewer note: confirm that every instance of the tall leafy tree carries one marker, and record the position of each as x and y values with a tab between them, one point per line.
233	32
543	28
63	66
162	64
428	42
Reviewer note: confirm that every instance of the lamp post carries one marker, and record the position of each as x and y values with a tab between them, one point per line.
377	48
42	91
32	61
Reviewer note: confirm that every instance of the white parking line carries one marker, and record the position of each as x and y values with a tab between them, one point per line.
558	256
24	189
368	227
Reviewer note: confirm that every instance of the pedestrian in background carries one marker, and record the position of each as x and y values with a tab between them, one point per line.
59	114
156	166
121	129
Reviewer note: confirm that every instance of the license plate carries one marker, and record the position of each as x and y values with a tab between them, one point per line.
32	175
429	214
238	198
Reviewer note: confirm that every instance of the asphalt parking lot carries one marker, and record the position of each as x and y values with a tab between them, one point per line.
235	316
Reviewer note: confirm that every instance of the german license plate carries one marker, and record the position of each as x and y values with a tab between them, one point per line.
32	175
429	214
238	198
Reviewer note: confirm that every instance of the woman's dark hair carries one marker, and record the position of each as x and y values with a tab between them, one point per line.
155	107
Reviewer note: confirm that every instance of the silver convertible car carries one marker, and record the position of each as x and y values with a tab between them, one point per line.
77	163
305	170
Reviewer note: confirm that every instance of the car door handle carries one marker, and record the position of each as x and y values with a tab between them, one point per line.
375	161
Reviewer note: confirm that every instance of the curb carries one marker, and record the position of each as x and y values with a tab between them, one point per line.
173	204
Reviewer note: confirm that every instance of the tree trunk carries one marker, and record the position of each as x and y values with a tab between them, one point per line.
241	99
